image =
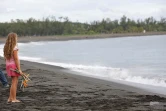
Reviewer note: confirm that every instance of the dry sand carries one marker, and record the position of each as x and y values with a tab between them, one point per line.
57	89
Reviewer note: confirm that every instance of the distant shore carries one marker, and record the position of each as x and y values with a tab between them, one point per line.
80	37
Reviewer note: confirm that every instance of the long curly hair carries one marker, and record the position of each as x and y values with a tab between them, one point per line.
11	42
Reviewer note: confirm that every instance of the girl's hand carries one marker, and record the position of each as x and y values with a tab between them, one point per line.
20	72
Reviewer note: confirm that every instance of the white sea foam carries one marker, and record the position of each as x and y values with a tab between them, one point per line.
1	50
32	59
37	43
31	43
102	72
21	44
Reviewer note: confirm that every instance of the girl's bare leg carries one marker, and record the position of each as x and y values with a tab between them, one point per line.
13	90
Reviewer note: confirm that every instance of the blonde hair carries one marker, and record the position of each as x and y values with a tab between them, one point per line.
11	42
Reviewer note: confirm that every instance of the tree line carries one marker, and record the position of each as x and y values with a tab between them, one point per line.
63	26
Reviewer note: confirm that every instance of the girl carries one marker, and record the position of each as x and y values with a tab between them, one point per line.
12	61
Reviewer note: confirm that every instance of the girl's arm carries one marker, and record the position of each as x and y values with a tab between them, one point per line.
17	61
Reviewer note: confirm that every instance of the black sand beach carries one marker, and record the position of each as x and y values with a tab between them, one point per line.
56	89
80	37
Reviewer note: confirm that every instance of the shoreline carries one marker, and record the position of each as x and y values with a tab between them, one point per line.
57	88
53	68
81	37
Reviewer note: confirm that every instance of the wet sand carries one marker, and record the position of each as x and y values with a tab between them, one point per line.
54	88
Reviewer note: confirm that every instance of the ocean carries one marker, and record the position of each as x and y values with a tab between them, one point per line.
137	61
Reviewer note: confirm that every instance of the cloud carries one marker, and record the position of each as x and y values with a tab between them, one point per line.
6	10
10	10
82	10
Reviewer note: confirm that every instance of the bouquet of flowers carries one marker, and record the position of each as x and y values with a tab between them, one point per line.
25	79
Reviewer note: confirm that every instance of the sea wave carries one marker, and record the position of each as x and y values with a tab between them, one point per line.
31	43
1	49
109	73
32	59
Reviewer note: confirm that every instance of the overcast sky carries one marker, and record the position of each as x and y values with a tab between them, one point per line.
81	10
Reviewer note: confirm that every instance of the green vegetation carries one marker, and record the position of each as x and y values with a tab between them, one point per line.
63	26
